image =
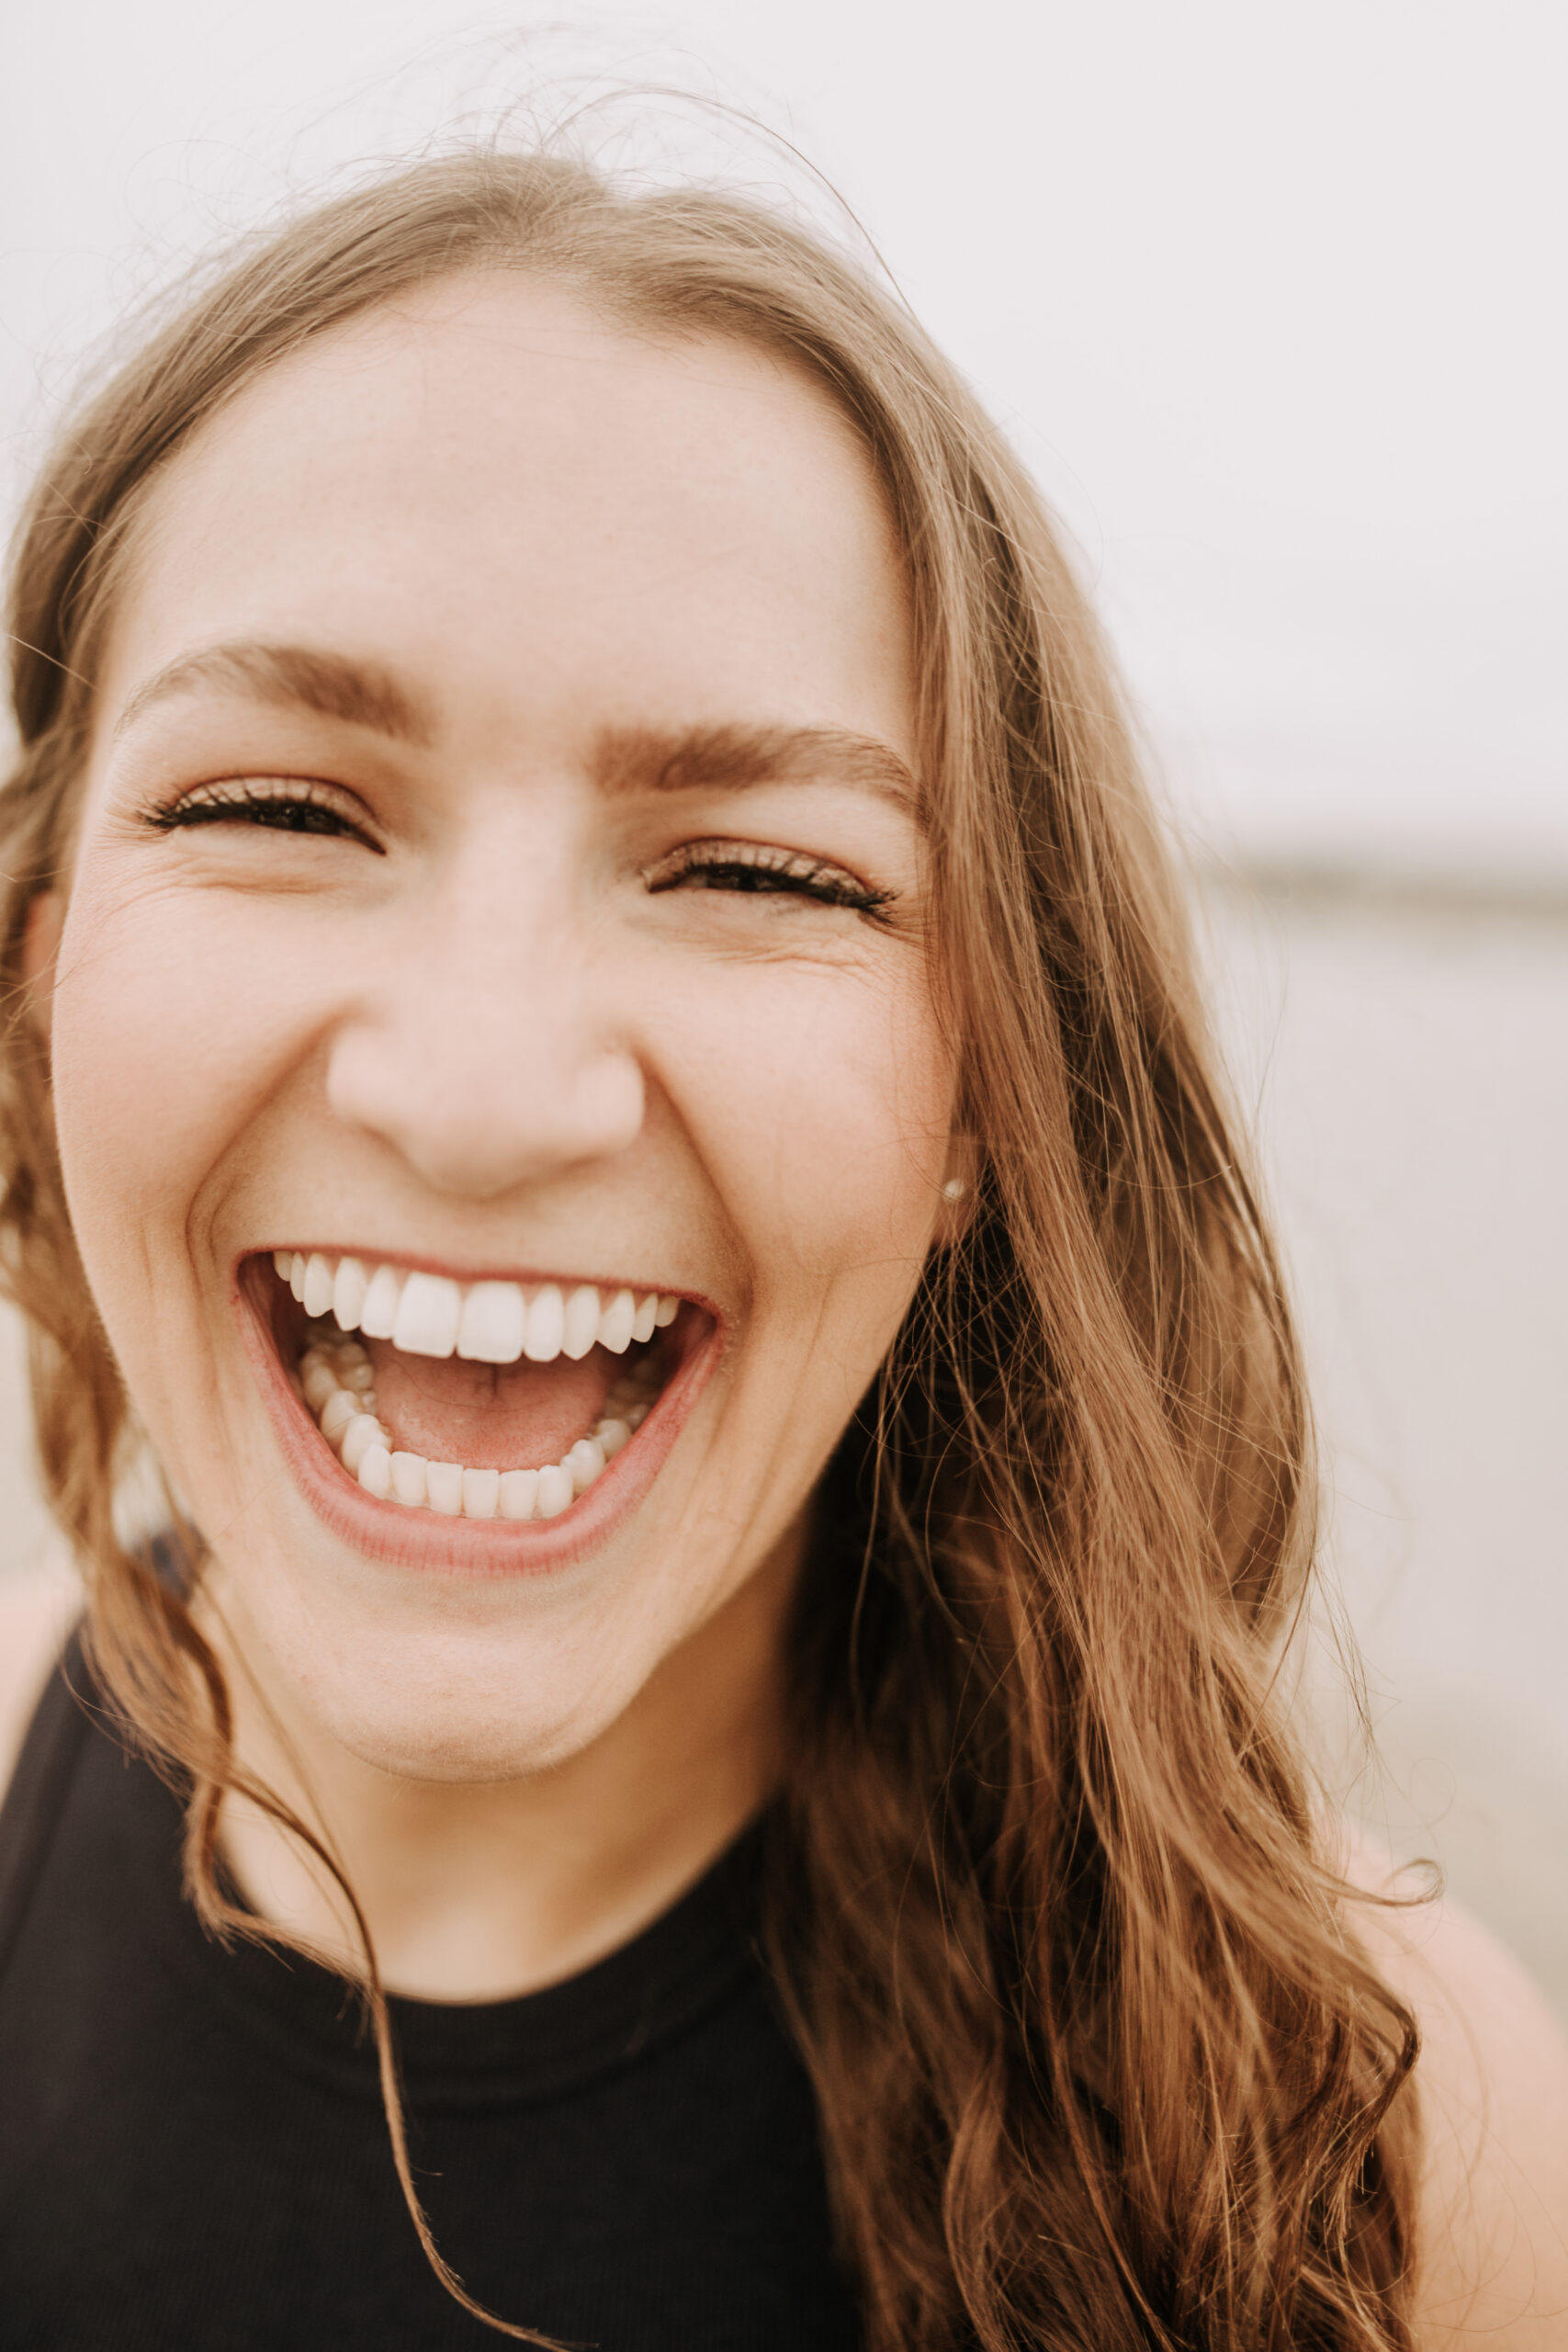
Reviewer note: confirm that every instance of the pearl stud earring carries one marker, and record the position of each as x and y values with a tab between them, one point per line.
954	1189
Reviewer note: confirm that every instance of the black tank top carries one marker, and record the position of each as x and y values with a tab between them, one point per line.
192	2149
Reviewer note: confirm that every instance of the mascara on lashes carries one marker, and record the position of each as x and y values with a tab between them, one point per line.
742	869
297	811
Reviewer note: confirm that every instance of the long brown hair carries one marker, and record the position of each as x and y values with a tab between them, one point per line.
1099	2060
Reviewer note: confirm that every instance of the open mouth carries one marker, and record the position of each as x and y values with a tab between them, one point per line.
480	1401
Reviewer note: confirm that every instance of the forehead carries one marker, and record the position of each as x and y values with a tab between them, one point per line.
505	494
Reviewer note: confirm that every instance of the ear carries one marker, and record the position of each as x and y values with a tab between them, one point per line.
40	950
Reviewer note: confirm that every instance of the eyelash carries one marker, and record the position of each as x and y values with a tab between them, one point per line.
747	869
742	868
288	811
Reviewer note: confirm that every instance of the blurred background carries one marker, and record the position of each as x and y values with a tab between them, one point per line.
1272	299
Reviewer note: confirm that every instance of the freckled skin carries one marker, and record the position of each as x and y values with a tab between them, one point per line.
485	1042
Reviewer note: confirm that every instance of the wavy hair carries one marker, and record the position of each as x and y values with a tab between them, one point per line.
1099	2059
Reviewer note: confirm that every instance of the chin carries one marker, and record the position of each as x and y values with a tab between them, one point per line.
442	1687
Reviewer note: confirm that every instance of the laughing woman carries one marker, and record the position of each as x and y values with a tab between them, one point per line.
602	1063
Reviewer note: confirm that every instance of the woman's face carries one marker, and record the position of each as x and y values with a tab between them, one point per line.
499	865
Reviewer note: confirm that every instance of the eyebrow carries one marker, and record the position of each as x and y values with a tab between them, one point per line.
728	757
298	677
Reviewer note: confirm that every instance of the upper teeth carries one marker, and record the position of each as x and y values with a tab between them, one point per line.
490	1322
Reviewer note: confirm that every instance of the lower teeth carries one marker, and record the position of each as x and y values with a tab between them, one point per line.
337	1383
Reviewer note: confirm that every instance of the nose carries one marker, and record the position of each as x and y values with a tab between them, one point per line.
489	1049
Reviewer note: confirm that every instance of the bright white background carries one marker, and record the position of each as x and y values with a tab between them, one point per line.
1272	298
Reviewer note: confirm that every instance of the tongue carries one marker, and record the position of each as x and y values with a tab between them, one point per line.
489	1416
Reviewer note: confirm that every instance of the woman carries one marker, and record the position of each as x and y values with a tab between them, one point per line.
603	1062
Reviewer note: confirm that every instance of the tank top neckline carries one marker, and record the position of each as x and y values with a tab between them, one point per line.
516	2051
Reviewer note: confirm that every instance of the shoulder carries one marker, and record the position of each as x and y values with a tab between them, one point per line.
35	1613
1491	2083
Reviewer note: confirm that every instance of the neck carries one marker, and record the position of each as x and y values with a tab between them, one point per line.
475	1892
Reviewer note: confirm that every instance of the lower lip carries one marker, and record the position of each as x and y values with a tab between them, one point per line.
430	1541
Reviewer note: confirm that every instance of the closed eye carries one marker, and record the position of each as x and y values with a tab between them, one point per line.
283	806
747	868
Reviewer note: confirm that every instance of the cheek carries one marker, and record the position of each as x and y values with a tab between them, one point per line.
169	1026
823	1104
